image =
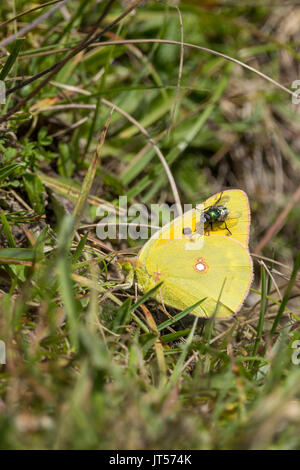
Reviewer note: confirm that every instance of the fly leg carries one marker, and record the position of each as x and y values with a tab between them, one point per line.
229	233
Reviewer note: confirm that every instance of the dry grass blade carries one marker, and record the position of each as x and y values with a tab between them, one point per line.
158	346
204	49
156	148
73	192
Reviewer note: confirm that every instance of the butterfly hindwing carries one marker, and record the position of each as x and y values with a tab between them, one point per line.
190	275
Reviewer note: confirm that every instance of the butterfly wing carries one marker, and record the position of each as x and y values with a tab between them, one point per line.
171	231
238	220
189	276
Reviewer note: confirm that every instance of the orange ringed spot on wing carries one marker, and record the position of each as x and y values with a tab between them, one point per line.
200	265
156	276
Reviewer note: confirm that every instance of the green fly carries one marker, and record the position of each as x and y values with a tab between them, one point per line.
216	214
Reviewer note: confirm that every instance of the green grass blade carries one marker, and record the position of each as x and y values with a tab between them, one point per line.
9	255
179	316
7	230
145	297
11	58
79	249
180	363
123	315
263	307
65	280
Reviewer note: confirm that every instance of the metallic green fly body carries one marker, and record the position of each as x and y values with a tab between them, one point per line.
217	213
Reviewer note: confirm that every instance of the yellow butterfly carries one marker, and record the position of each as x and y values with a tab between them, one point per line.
215	265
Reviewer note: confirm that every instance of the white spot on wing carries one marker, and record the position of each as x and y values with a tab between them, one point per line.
200	267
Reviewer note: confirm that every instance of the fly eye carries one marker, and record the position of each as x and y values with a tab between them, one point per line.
187	231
